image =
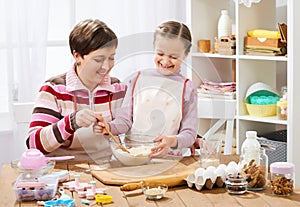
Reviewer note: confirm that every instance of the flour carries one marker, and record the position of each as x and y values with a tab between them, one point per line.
136	156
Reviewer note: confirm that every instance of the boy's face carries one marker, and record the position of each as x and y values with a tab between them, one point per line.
169	54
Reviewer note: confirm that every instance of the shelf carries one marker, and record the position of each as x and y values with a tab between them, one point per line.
242	57
216	108
271	119
245	70
211	55
254	57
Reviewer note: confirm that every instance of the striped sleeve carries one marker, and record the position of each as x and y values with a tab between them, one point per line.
49	128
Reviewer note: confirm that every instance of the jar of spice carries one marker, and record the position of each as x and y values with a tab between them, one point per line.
282	178
236	184
282	108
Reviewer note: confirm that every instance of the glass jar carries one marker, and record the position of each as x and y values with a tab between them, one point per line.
236	184
283	90
256	172
282	109
282	178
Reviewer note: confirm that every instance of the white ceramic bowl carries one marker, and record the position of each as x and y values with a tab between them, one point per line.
139	150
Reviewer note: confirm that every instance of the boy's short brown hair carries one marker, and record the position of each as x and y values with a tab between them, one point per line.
90	35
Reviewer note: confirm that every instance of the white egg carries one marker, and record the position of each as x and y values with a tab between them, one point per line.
199	172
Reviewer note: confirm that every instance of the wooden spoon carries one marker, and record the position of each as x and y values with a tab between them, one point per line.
115	139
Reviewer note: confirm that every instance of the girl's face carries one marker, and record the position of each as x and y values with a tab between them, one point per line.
169	54
95	66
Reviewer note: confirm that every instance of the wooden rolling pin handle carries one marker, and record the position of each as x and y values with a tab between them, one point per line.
131	186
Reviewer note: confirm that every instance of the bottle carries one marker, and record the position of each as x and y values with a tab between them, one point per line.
282	178
250	149
224	24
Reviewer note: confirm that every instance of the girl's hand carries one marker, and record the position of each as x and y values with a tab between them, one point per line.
85	117
197	144
165	142
100	125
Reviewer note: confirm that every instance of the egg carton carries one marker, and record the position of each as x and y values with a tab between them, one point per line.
212	176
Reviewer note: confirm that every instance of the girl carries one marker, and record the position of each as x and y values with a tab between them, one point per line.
161	102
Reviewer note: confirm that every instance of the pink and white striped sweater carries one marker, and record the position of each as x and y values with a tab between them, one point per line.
51	126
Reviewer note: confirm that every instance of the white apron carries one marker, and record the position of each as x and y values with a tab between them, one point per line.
157	106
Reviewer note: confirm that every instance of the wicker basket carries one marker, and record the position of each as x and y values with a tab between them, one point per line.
277	140
261	110
278	151
260	88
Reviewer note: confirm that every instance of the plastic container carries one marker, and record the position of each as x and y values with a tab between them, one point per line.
250	148
224	24
282	178
41	189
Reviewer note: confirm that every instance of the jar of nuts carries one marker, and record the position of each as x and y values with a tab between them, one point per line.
282	178
256	171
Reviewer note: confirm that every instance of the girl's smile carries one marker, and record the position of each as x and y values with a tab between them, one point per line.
169	53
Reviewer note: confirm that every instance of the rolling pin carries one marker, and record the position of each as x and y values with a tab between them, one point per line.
174	180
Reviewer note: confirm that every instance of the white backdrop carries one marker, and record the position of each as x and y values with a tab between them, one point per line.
34	46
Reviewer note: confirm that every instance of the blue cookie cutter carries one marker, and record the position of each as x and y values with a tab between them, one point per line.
61	202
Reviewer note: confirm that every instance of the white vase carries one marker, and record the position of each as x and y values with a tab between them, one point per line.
224	24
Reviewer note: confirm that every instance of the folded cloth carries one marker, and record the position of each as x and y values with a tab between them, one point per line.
222	90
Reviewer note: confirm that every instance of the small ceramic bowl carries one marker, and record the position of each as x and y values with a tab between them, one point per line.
15	164
32	159
35	159
154	191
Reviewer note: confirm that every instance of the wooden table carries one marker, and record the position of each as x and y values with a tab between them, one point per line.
175	197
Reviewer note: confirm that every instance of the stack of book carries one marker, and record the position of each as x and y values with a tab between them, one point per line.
265	42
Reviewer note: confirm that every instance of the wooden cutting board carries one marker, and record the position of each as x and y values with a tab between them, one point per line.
175	170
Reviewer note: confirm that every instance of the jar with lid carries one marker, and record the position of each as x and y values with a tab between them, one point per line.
236	184
256	172
282	108
282	178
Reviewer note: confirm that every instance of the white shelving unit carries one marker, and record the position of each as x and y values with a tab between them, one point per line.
202	18
276	71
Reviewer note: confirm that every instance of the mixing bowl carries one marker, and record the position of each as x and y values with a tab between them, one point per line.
139	147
